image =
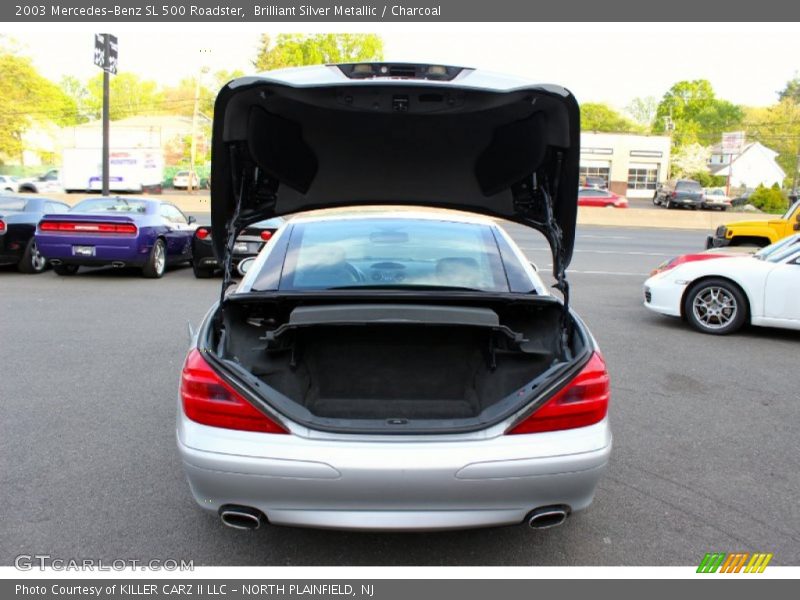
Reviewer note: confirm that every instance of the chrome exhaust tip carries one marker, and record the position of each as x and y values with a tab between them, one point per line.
117	264
546	517
55	262
241	517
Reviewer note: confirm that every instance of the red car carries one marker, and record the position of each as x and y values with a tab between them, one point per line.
588	196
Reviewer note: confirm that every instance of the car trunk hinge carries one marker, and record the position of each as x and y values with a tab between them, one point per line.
534	203
253	188
230	241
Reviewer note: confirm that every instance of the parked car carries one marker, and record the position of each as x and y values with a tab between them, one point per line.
685	193
394	371
18	218
181	180
248	243
715	199
721	296
594	181
121	232
48	183
756	233
9	183
741	199
704	255
596	197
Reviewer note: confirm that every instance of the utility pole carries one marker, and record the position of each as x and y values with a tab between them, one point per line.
193	142
106	94
195	113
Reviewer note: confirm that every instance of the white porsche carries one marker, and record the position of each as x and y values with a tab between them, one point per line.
720	296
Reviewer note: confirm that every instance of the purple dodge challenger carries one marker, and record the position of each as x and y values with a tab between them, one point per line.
121	232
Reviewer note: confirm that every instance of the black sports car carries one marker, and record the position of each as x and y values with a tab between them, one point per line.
248	243
19	216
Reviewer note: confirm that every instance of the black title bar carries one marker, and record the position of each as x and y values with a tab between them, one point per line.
299	11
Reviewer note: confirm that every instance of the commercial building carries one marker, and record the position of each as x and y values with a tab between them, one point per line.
631	165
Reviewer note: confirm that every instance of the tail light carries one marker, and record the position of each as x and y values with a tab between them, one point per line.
674	194
266	235
2	226
87	227
203	233
210	401
582	402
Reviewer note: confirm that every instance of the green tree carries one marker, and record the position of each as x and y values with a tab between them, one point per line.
694	114
596	116
27	98
778	128
130	95
791	90
299	49
643	111
770	200
689	159
79	94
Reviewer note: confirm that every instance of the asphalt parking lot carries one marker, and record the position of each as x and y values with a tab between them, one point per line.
706	456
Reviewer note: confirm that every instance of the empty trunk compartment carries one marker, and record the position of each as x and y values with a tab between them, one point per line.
394	362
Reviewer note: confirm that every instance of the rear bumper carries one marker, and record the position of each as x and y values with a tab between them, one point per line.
375	483
129	250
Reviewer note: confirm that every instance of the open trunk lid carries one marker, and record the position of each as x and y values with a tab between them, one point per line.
427	135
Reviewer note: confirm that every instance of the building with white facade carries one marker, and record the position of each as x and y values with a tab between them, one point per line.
631	165
754	166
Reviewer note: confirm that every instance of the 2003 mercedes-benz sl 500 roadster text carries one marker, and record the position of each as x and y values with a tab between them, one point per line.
404	369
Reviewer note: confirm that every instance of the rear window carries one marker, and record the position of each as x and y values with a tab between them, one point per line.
689	186
12	204
114	205
394	253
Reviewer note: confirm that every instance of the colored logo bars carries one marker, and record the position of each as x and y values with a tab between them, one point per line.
734	563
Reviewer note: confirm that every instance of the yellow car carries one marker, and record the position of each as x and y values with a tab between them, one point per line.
757	233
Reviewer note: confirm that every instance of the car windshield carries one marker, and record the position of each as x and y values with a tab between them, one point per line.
110	205
779	250
791	210
392	253
12	204
687	185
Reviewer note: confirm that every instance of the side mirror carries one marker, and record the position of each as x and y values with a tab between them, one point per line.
535	268
244	265
796	227
191	220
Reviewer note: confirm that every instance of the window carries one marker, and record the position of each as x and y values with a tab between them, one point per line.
118	205
643	177
591	175
12	204
172	214
393	253
55	207
593	193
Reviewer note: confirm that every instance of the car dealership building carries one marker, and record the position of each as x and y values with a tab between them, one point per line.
631	165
